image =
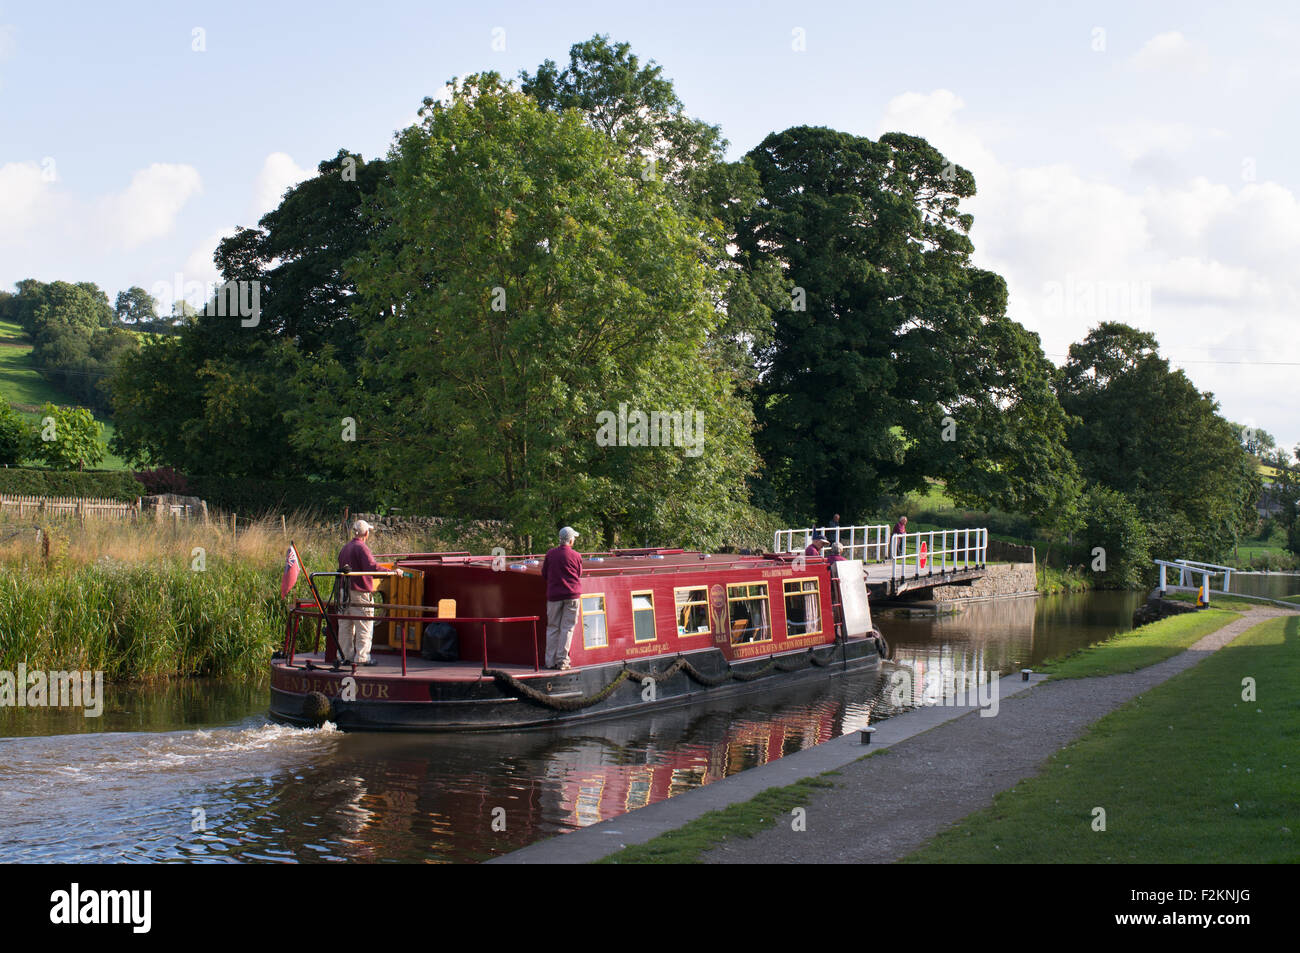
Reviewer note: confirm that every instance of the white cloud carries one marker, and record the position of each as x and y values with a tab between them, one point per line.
1171	53
26	199
1141	137
279	174
147	209
1207	266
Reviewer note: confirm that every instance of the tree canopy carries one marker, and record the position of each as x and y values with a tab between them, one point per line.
893	359
526	285
1144	430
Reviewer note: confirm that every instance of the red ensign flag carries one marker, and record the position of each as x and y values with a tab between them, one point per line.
290	571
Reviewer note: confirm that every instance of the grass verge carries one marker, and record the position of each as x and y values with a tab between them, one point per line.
1222	602
1189	772
687	843
1130	651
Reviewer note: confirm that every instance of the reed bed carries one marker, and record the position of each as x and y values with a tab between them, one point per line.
151	600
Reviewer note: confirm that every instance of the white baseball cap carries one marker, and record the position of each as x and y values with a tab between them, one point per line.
360	528
568	533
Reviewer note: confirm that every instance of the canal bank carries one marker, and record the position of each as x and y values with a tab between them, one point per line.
947	764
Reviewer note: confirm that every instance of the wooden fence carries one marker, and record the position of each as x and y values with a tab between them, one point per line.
80	507
24	507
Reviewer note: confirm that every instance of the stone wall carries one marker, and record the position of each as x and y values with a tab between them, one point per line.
1004	580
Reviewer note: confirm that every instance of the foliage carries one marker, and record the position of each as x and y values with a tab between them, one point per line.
892	359
253	496
142	621
1145	431
68	437
212	398
15	435
109	485
137	308
163	480
75	343
637	108
1285	491
1114	525
529	284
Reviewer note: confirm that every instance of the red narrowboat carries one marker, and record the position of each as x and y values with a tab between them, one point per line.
656	627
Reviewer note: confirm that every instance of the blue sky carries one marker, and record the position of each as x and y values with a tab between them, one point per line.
1134	162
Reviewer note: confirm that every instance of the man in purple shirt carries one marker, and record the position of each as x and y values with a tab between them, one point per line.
816	546
355	634
562	573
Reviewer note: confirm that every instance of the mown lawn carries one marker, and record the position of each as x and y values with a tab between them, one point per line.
1196	770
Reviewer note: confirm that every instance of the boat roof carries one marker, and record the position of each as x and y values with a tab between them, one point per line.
618	562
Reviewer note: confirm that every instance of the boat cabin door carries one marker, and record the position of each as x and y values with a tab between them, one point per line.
850	579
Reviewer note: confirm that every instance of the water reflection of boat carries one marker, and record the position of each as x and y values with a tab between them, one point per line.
656	628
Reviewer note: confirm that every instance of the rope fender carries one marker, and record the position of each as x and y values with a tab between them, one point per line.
508	684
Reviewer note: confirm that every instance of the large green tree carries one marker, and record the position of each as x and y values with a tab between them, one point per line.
1144	430
136	308
893	359
528	286
636	106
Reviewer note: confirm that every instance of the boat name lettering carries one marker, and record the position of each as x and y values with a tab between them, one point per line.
331	686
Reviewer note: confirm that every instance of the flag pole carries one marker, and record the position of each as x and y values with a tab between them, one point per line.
330	625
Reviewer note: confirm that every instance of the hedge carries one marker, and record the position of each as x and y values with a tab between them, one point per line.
104	484
247	495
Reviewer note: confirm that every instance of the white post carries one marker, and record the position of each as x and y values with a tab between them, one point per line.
1163	587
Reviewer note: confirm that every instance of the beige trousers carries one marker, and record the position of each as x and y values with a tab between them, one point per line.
561	618
355	635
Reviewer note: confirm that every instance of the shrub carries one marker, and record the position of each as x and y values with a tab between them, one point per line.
1113	524
106	484
163	480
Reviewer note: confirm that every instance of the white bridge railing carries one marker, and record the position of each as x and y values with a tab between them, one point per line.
939	551
1188	567
868	543
1193	565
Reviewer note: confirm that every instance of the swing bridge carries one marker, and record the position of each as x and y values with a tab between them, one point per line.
896	563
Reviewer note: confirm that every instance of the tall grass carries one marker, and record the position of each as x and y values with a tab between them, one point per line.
149	600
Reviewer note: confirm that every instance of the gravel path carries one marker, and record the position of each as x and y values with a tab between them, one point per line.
884	807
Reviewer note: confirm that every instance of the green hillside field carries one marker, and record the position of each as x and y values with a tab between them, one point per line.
26	390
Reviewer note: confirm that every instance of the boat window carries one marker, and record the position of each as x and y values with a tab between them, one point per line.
803	614
692	610
747	613
643	616
594	633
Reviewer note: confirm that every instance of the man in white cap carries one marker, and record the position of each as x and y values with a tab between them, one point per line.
562	573
355	634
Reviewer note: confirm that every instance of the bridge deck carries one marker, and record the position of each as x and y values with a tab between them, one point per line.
883	579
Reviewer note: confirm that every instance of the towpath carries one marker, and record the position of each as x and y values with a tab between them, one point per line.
941	765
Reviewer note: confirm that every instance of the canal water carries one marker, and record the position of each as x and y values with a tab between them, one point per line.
1272	585
195	771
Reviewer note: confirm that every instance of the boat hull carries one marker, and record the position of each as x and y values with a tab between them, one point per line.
501	700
